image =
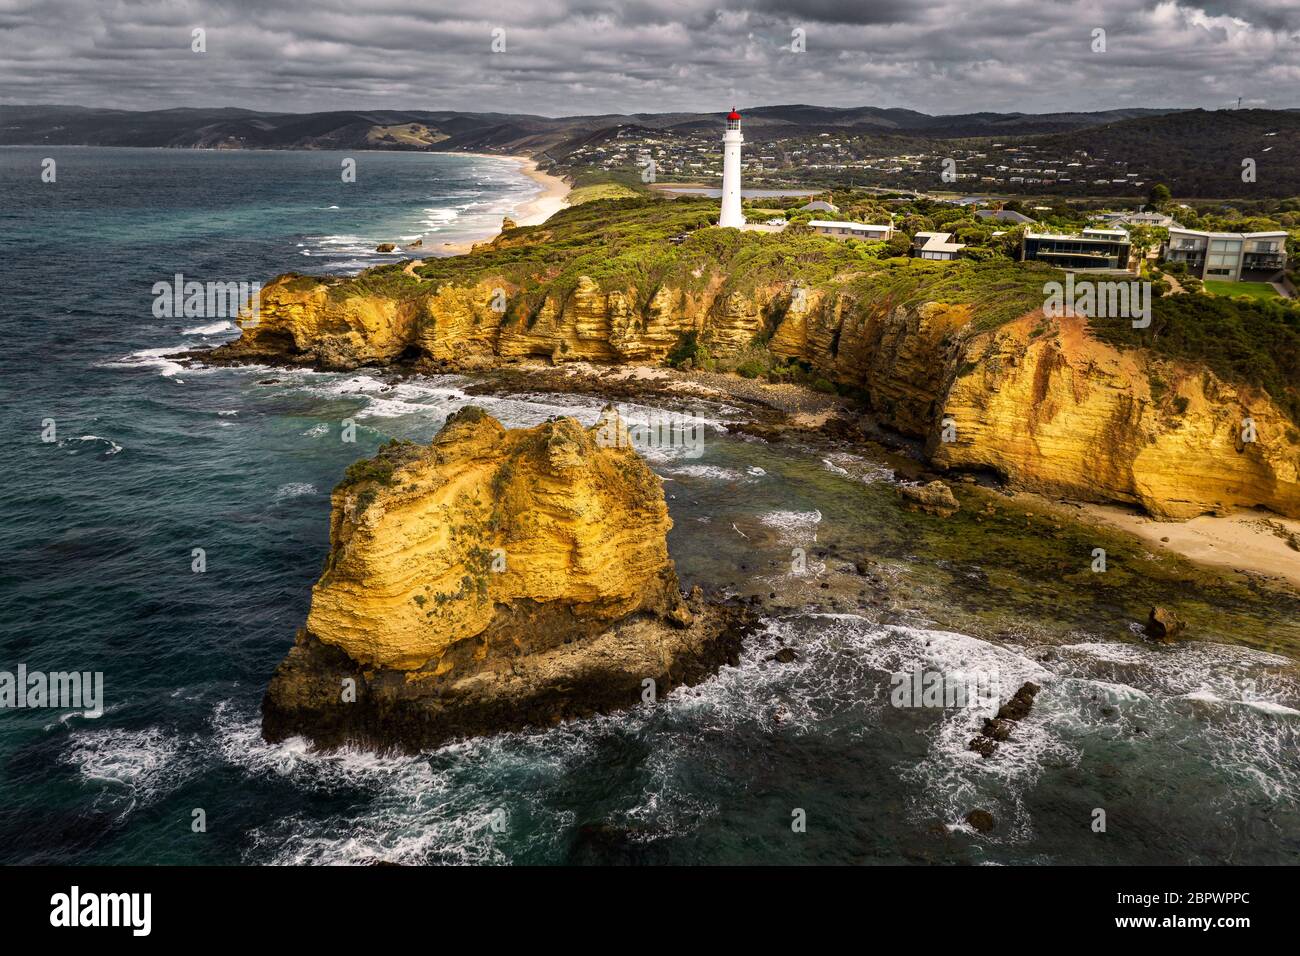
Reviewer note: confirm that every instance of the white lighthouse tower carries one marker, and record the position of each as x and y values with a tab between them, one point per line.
731	141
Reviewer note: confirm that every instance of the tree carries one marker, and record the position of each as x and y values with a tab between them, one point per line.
898	245
1158	196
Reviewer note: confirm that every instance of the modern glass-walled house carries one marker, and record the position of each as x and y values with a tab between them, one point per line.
1228	256
1090	249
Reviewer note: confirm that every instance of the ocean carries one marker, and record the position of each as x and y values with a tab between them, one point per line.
1190	751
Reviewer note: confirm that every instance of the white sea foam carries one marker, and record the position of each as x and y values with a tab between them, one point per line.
130	768
295	489
107	446
792	526
856	467
706	472
149	358
214	328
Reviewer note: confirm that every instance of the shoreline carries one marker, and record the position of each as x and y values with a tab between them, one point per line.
1250	542
553	197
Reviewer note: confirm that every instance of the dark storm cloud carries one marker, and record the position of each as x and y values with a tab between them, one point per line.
574	56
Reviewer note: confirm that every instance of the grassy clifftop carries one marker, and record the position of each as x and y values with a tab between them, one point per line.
626	246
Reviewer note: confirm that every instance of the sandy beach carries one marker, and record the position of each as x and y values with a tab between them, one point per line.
1252	541
553	197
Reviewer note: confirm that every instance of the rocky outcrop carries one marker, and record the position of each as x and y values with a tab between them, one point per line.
997	730
1039	401
492	580
934	498
1164	625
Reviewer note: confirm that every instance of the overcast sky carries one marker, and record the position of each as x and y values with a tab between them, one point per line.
589	56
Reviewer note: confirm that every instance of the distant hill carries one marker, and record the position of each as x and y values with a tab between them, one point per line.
1197	153
1200	153
229	128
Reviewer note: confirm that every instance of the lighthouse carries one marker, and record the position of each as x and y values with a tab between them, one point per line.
731	215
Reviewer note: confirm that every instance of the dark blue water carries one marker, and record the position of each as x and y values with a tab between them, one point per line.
1192	751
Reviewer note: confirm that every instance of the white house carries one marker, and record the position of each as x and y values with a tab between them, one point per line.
851	230
935	245
1229	256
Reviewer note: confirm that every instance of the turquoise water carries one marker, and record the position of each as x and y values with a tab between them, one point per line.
1191	750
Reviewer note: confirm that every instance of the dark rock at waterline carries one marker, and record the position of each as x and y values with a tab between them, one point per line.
785	655
768	433
981	820
998	729
385	247
1021	702
390	712
268	381
1164	625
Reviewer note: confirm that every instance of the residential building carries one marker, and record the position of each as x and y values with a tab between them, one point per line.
1156	219
1228	256
820	205
935	245
850	230
1091	249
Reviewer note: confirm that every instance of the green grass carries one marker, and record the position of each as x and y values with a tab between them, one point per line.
600	191
1256	290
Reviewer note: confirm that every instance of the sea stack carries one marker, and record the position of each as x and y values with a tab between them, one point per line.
492	580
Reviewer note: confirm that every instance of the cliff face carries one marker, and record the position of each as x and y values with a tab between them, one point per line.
1062	413
435	560
304	320
491	580
1038	400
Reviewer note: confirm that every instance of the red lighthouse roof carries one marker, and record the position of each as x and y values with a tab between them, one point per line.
733	115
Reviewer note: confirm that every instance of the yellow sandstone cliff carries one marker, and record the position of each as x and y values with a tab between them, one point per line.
1040	401
1057	411
492	580
442	550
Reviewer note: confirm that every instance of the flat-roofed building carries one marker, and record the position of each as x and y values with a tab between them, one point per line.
935	245
850	230
1090	249
1228	256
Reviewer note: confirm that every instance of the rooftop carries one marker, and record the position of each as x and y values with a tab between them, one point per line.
855	226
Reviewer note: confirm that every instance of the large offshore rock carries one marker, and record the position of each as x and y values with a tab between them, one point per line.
492	580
